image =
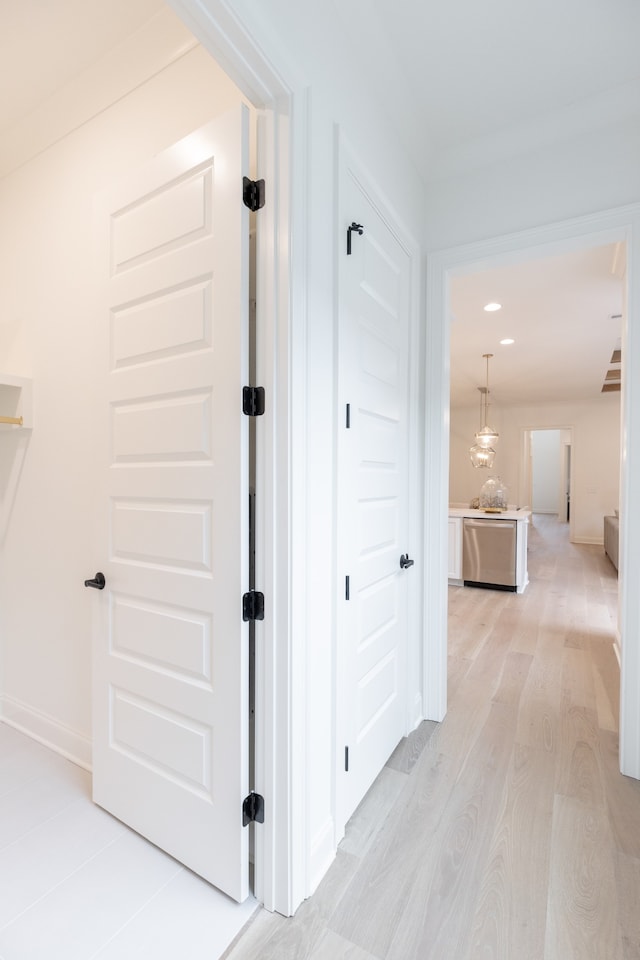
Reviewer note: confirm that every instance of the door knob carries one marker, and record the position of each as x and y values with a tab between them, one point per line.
405	561
97	583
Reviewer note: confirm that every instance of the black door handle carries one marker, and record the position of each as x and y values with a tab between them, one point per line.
405	561
97	583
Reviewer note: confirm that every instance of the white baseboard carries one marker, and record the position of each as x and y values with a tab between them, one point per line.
322	854
68	743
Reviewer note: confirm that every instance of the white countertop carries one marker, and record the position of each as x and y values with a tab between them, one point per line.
512	513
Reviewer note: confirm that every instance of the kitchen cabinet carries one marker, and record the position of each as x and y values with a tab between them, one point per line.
455	548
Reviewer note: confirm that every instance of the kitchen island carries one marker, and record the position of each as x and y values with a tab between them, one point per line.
458	513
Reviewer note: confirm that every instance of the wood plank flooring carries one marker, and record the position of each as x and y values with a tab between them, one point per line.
506	832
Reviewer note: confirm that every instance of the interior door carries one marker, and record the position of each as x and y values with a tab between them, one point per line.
170	660
373	486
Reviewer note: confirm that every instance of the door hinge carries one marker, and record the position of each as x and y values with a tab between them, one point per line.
347	419
253	606
253	194
253	401
253	809
346	759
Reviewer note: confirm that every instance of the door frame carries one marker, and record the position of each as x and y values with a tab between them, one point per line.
609	226
347	162
281	843
525	480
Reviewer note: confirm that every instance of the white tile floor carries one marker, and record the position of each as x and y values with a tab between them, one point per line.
76	884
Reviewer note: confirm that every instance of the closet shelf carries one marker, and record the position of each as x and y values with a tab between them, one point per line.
16	402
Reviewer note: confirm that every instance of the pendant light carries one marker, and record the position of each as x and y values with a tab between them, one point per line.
482	456
482	453
486	435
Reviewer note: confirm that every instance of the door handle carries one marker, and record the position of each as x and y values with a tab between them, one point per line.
97	583
405	561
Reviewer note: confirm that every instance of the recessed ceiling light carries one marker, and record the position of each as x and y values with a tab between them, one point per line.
490	307
507	341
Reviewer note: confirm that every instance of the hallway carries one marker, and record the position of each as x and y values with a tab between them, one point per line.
507	831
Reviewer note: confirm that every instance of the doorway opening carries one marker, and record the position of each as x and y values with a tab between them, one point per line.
539	403
615	226
59	515
547	462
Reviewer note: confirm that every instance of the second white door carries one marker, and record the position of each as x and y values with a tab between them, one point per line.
374	569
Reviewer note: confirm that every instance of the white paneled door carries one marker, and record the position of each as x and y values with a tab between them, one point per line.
373	487
170	661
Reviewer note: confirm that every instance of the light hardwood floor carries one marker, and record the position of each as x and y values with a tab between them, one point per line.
506	832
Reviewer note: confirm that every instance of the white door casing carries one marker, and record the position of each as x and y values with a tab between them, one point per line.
170	669
372	493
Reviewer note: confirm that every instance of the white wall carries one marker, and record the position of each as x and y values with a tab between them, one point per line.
47	332
566	179
546	470
595	456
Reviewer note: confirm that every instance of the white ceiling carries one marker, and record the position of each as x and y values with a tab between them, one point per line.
476	75
469	71
475	71
563	313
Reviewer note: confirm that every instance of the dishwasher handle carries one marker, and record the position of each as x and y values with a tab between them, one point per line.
486	524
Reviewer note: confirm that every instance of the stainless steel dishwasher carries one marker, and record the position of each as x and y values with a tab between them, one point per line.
489	553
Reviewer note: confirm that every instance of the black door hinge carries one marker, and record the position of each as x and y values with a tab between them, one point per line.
253	401
354	228
253	606
253	194
346	759
253	809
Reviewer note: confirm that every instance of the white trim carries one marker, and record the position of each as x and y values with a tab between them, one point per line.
322	854
39	726
234	48
594	229
629	550
436	489
281	759
298	506
416	714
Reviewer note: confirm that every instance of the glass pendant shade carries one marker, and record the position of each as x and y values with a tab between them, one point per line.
486	436
481	456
